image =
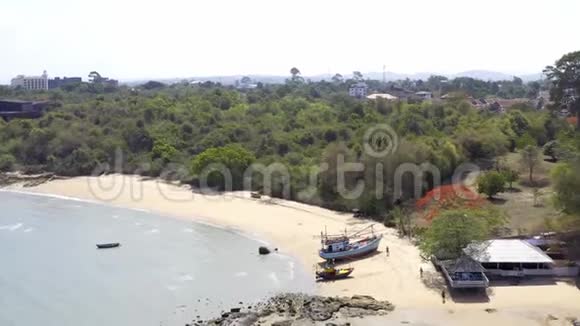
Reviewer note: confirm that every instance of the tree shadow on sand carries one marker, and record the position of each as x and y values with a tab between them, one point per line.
573	282
470	295
436	282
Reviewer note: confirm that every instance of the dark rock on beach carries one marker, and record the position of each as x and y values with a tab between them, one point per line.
263	251
284	309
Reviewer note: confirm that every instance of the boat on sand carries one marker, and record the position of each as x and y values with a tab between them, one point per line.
339	247
331	273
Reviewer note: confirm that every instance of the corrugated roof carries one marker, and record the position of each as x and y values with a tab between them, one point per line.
506	251
464	264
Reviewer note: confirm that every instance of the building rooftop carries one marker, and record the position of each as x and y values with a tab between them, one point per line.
506	251
360	85
382	95
464	264
14	101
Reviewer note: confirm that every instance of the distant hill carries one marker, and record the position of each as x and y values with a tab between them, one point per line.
484	75
389	76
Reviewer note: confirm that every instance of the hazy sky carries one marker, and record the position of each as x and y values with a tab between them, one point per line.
133	39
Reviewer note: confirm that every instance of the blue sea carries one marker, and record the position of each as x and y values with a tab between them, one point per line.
166	272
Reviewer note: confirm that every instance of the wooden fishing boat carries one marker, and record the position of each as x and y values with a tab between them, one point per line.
108	245
338	247
331	273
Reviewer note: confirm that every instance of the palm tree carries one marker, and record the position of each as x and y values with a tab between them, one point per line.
337	78
295	73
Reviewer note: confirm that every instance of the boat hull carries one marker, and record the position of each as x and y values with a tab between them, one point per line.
342	274
365	249
108	245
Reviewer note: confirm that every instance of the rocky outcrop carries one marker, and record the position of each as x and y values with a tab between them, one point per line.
287	308
26	180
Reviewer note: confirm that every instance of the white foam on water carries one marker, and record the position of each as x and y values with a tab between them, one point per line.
27	230
16	227
31	193
115	216
138	223
81	200
186	278
188	230
172	288
152	231
274	278
241	274
291	268
11	227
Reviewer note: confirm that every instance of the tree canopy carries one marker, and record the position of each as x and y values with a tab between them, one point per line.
453	230
565	77
301	125
491	183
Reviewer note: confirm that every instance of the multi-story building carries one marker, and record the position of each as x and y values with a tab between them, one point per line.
58	82
31	82
358	90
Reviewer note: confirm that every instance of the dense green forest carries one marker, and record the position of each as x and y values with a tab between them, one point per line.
174	131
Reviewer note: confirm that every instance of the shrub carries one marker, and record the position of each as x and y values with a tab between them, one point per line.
491	183
510	176
234	158
7	162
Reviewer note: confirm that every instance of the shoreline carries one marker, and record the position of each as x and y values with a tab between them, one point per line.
293	228
200	221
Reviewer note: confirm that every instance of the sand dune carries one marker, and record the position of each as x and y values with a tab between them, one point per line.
295	228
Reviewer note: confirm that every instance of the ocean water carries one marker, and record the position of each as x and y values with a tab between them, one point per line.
166	272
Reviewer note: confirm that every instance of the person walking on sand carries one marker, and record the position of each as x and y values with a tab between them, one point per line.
387	251
421	271
443	296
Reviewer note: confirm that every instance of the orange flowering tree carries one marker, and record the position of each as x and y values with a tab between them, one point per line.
448	197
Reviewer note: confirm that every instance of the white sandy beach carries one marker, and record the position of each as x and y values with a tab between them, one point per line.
294	227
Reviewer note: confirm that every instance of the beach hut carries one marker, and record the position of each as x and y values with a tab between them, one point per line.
464	273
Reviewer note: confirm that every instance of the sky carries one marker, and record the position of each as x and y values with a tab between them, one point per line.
142	39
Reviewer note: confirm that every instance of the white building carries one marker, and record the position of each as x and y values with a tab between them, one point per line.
31	82
511	257
358	90
385	96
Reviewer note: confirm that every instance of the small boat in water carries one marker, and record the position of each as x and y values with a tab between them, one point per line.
108	245
337	247
331	273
